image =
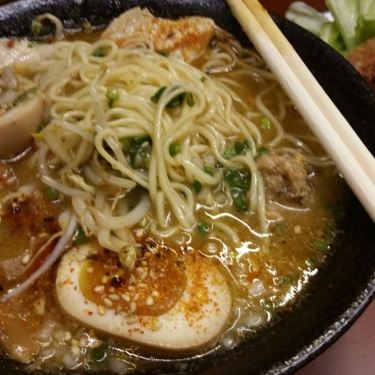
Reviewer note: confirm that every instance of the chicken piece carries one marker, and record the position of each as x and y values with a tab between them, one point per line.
363	59
186	37
286	177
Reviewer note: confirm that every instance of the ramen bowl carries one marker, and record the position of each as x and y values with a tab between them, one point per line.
345	284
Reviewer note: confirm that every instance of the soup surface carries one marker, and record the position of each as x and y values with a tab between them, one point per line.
172	201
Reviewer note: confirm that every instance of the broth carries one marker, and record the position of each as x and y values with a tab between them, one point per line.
266	271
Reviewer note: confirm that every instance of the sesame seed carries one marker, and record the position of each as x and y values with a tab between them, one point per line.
101	310
125	297
99	289
114	297
108	302
149	301
26	258
155	293
90	270
133	306
112	289
105	279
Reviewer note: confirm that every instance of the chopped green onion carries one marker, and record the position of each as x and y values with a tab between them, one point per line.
239	200
208	170
203	228
174	149
265	123
321	245
79	236
240	148
164	53
100	51
156	97
36	27
138	149
237	178
197	185
176	101
310	263
52	194
238	181
227	153
262	151
112	94
190	99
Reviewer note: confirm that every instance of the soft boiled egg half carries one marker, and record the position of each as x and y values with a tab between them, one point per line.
166	302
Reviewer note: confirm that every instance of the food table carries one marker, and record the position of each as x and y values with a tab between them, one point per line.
354	352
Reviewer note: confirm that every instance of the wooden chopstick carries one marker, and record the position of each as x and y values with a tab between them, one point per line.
353	159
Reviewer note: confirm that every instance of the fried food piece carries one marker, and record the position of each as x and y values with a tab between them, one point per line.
286	177
186	37
363	59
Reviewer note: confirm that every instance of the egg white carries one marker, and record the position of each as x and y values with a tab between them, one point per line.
181	328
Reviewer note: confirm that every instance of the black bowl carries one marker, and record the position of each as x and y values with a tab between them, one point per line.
346	283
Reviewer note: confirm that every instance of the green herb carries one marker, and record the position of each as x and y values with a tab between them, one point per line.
265	123
310	263
26	95
227	153
262	151
321	245
176	101
190	99
240	148
238	178
239	200
52	194
238	181
203	228
197	185
36	27
174	149
79	236
138	150
100	51
112	94
156	97
164	53
208	170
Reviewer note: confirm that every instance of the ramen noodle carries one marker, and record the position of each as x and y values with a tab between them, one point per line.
171	202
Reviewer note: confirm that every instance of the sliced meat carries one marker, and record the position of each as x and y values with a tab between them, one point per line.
286	177
363	59
187	37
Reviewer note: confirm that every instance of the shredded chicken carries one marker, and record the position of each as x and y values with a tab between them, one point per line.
286	177
186	37
363	59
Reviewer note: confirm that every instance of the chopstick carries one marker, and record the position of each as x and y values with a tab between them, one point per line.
352	158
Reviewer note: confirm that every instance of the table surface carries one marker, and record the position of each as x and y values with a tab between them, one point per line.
353	353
